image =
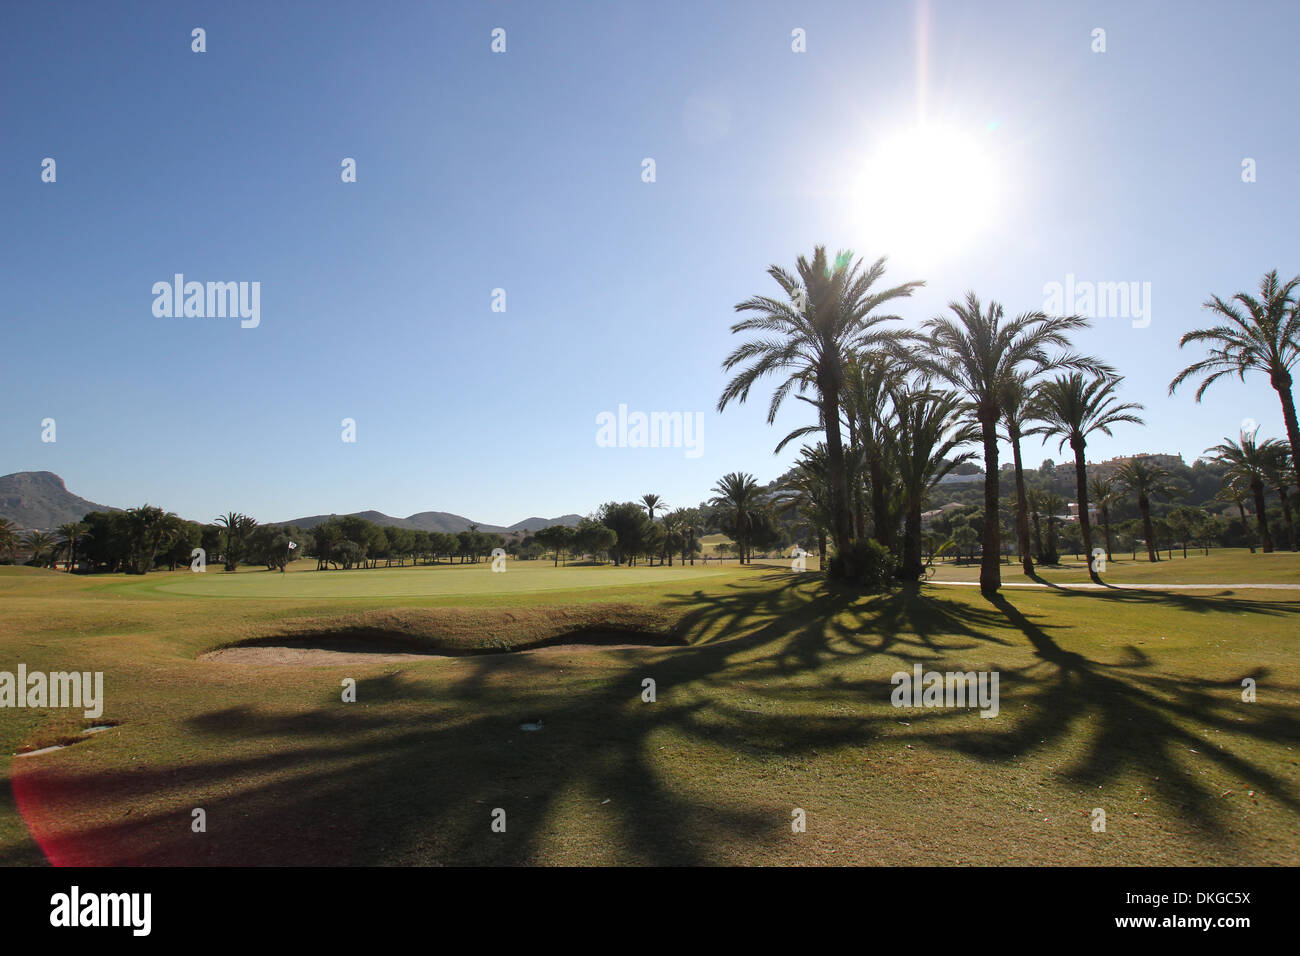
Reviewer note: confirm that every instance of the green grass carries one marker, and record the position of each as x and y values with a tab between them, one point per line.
1129	701
520	577
1220	566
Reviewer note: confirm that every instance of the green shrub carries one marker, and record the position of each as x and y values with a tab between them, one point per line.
865	563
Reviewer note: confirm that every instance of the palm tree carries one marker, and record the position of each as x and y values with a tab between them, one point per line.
1235	490
1072	407
680	525
869	380
1147	480
247	524
1277	472
41	546
691	527
1104	494
1248	463
672	522
71	533
238	527
1258	335
929	428
830	316
1017	397
980	355
1034	500
806	489
652	502
738	492
150	526
1052	505
8	538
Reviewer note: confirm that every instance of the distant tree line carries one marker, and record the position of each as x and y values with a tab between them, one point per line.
625	533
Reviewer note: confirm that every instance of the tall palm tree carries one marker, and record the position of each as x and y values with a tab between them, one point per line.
1278	471
1147	480
829	314
1249	462
738	492
70	534
920	450
1258	335
1104	494
979	354
8	537
1072	407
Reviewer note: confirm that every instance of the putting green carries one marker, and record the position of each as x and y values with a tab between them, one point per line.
435	581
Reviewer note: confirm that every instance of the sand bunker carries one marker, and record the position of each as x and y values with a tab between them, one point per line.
314	653
307	656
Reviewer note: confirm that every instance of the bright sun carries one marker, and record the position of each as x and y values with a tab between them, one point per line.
928	192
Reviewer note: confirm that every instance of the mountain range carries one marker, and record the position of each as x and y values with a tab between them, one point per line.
39	500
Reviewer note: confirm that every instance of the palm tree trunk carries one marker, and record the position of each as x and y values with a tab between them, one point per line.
859	516
1265	539
1282	384
1147	529
1105	523
1286	516
841	530
1081	490
879	505
1022	506
912	566
1241	507
990	566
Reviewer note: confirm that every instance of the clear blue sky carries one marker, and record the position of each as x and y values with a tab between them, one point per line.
523	171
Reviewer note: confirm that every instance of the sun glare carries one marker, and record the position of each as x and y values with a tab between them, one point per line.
928	192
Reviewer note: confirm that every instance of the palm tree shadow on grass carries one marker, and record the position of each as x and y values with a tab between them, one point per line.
1135	714
369	783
